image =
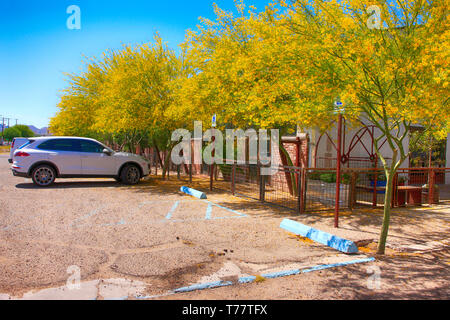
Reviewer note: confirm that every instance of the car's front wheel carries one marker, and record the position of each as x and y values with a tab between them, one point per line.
130	175
43	176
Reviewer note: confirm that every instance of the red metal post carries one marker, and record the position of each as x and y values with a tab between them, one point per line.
338	172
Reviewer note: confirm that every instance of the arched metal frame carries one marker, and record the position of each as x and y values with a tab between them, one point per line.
346	156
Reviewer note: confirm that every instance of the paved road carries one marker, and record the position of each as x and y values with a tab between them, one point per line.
154	236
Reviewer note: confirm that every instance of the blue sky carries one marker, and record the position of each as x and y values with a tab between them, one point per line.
36	46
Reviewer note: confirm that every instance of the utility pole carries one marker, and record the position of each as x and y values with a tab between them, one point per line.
3	125
3	128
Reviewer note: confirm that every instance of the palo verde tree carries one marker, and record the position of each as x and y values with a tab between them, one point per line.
138	90
237	71
124	98
387	61
78	103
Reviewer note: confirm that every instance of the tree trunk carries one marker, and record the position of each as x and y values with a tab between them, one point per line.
387	212
167	163
158	154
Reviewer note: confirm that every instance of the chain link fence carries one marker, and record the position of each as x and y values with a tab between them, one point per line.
314	189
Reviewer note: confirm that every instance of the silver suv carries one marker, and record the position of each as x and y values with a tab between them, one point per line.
46	158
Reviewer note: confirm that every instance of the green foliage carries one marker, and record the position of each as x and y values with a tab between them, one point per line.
18	131
328	177
25	131
314	176
11	133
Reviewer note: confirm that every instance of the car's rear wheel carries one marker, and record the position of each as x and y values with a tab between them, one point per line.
130	175
43	175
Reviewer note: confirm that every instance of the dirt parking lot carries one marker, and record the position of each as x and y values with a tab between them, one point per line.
143	241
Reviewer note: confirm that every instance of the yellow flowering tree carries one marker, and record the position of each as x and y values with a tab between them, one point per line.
124	97
386	60
76	114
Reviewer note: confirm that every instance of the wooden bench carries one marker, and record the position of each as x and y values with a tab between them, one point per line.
411	195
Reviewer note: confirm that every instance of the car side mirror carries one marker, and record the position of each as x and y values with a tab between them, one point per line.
107	152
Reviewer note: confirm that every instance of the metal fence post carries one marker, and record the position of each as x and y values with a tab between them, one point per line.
300	192
233	179
262	186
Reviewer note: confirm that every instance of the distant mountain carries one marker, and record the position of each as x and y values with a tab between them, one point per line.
39	132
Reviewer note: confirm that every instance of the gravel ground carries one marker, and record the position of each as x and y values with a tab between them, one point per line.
153	235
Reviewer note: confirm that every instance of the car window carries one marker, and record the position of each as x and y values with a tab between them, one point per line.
91	146
60	145
26	144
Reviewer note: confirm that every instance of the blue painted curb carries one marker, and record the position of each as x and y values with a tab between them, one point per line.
325	238
315	268
193	192
250	279
335	265
281	274
203	286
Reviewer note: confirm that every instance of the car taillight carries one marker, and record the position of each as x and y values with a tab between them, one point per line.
21	154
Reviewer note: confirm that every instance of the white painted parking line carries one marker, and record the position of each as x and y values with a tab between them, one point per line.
169	215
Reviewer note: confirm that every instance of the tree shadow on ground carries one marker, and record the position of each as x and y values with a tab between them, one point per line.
358	219
409	277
